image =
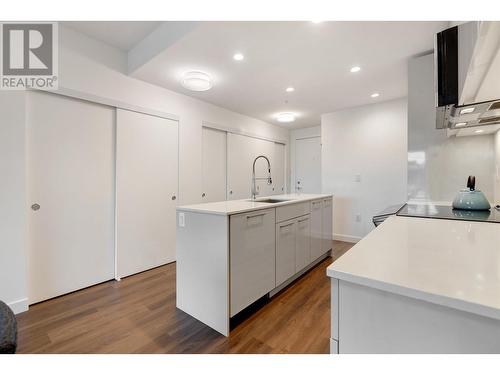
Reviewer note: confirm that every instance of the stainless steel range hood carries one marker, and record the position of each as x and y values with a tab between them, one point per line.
467	76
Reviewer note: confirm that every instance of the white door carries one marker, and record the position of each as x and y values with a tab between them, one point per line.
278	169
213	165
308	165
146	191
70	190
242	151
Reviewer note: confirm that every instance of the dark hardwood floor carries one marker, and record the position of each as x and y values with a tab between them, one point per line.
138	315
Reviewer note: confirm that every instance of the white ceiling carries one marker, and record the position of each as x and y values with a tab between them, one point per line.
121	34
313	58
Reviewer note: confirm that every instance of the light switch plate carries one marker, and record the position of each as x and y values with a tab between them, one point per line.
182	220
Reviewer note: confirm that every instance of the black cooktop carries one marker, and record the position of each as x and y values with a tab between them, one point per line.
447	212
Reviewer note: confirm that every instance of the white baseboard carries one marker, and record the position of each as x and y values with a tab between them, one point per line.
19	306
346	238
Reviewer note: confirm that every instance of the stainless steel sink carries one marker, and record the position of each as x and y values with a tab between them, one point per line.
270	200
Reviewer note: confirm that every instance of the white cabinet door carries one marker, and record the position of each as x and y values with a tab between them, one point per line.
278	169
252	257
70	176
213	165
308	165
286	233
316	229
146	191
303	245
327	225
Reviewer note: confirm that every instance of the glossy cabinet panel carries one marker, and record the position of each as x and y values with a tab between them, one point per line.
326	226
252	257
316	229
303	243
286	237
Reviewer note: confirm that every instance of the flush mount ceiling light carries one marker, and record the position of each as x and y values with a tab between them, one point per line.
196	81
316	21
286	117
460	124
375	95
290	89
355	69
467	110
238	56
478	131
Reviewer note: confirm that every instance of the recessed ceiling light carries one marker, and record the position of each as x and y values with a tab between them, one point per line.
316	21
355	69
375	95
467	110
460	124
238	56
286	117
478	131
196	81
290	89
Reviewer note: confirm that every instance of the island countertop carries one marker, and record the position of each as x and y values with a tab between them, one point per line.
247	205
447	262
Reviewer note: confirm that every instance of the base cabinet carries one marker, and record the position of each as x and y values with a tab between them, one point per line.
316	229
326	225
227	261
303	243
293	247
286	237
252	257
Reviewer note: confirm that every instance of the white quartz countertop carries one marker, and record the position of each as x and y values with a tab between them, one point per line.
246	205
448	262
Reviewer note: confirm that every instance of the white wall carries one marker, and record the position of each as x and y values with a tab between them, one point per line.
369	141
12	201
92	67
438	166
295	134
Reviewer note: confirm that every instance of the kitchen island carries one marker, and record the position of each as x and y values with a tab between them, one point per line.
232	253
419	285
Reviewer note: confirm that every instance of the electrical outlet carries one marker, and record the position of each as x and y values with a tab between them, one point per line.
358	218
182	219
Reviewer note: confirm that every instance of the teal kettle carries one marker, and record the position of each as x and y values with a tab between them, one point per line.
470	198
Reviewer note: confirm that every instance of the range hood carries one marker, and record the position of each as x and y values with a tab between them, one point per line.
467	76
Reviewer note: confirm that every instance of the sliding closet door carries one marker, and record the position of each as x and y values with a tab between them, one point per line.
279	169
213	165
242	151
146	191
70	189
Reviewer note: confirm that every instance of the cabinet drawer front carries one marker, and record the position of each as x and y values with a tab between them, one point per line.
252	257
292	211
